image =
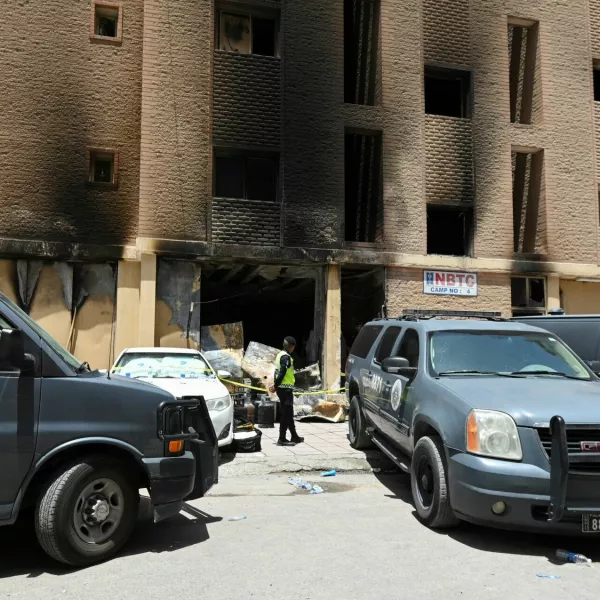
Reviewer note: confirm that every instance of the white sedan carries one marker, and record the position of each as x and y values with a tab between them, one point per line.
183	372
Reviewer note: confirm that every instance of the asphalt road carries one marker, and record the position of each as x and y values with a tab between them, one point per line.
357	540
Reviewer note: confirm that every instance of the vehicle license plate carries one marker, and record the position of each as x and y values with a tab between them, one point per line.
590	523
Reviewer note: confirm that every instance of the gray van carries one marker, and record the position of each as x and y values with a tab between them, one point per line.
497	422
580	332
77	445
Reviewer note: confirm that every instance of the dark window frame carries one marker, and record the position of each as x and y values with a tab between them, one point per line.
464	76
528	309
112	6
246	157
92	154
363	334
378	359
251	14
468	227
407	331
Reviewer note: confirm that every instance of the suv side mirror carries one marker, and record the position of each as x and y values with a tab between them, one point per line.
12	349
398	365
221	374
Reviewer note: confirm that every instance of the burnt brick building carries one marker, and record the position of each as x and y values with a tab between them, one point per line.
295	165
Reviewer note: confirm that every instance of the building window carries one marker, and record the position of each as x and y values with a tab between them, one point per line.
449	230
596	81
107	21
528	296
246	177
361	51
528	201
447	92
363	197
524	80
247	34
103	166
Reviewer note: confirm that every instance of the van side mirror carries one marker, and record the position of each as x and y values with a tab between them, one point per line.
221	374
12	350
398	365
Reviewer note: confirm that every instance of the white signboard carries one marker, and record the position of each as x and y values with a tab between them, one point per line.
449	283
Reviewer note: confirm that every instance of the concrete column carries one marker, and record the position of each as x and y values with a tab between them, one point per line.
332	350
147	315
553	292
127	329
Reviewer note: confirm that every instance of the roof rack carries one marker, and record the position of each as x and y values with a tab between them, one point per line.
416	314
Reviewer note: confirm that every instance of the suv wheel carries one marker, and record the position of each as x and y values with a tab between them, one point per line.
87	513
429	484
359	438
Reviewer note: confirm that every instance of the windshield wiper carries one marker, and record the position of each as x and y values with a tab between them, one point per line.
475	372
558	373
84	366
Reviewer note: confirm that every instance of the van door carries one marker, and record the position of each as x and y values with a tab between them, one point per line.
19	408
398	405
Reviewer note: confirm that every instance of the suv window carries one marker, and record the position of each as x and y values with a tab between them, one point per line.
387	343
409	347
365	339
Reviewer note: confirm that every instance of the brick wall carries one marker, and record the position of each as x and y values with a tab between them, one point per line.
63	92
448	160
446	32
594	15
405	290
176	156
246	100
313	156
246	222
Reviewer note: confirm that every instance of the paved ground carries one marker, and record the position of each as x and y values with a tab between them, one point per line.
358	540
325	447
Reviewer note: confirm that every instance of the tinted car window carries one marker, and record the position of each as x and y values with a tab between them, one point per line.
409	347
583	336
365	339
387	343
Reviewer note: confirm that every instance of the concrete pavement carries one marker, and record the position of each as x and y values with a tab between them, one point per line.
325	447
359	540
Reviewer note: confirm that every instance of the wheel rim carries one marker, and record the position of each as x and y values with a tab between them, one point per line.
425	482
98	511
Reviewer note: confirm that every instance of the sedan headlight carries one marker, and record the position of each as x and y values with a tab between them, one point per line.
494	434
219	404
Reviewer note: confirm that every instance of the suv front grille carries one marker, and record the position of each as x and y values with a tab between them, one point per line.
575	435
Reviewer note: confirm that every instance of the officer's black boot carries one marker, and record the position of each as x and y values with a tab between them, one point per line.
285	443
297	439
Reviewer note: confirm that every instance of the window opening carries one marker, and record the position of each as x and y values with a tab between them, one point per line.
447	92
528	296
246	177
363	198
449	230
525	92
409	348
247	34
361	50
102	167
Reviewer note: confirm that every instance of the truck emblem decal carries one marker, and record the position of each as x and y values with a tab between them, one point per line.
396	395
590	446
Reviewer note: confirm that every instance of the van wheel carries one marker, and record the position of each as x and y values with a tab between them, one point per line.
359	438
429	484
87	513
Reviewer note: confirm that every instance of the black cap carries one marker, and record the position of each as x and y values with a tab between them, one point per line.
290	341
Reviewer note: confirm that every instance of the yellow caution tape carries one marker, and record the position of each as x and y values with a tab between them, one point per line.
250	387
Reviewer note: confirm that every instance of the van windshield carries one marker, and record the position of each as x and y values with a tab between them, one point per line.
56	346
503	353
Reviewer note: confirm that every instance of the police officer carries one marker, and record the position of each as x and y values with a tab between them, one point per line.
284	386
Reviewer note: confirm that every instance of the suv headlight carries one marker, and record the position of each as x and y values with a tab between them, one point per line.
494	434
219	404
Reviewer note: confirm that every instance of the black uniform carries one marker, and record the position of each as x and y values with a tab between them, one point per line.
286	401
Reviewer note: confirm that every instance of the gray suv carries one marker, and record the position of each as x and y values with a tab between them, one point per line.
77	445
497	422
